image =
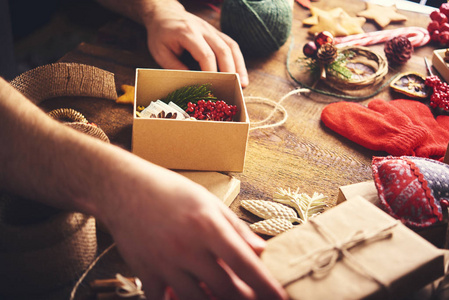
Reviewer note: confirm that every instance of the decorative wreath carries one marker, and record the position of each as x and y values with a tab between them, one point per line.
368	69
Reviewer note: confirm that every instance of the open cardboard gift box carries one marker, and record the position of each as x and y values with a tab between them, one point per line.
439	63
186	144
436	234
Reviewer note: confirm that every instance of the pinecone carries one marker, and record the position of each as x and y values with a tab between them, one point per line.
327	53
398	50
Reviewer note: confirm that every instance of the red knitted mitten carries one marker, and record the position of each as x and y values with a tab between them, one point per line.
436	143
443	121
380	127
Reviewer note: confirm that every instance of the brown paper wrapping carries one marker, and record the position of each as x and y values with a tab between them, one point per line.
391	266
436	234
366	189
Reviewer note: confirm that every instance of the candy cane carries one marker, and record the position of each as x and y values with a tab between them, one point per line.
418	37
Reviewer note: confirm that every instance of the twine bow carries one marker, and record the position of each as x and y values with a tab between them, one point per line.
129	288
323	260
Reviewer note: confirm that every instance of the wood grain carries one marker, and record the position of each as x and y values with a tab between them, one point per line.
302	153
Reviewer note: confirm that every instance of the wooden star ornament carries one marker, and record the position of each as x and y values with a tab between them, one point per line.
353	25
317	12
382	15
128	96
340	25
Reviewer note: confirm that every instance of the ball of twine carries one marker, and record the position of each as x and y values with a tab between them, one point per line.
260	27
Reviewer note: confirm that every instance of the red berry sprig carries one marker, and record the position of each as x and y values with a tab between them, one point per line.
215	111
439	27
440	95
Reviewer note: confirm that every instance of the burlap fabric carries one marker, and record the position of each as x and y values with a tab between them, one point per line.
76	120
90	130
65	79
42	248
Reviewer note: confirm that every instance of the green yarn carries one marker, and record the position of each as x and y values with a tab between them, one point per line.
260	27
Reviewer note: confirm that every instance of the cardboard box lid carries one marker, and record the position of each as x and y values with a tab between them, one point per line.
225	187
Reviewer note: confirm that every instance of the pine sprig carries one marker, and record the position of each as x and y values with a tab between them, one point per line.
191	93
337	67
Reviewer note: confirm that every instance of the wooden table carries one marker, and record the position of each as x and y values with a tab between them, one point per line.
302	153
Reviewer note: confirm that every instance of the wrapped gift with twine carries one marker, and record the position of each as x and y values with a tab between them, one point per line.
352	251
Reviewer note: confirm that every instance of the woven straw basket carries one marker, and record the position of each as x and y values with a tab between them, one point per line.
364	56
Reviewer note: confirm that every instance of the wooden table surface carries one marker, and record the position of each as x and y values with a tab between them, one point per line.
302	153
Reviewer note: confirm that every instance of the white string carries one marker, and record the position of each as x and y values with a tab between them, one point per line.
277	106
91	266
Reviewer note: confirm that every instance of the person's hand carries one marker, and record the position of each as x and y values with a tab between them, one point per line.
174	233
171	30
171	231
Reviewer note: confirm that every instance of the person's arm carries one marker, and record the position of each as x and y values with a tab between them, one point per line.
171	231
171	30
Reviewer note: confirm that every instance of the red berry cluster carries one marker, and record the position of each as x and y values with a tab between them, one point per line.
439	27
440	95
215	111
311	48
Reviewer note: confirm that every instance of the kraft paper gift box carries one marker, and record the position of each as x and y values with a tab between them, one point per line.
190	145
352	251
436	234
